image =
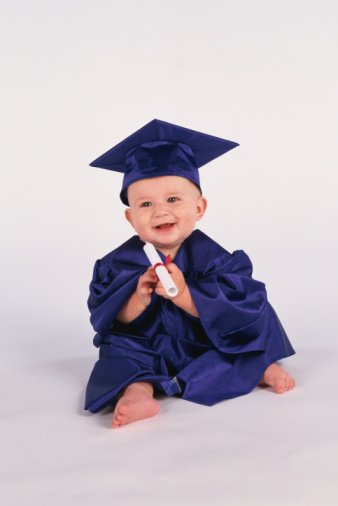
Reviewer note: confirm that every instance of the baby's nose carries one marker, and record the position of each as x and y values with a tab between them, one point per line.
161	209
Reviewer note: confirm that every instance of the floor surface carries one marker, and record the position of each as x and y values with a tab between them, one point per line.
260	449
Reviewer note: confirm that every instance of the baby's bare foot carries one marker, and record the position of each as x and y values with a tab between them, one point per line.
277	378
136	403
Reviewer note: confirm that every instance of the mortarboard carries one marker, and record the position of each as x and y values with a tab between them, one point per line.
162	149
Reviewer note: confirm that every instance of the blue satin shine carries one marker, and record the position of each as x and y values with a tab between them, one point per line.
221	355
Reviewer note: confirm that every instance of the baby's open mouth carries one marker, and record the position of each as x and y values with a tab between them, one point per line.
164	226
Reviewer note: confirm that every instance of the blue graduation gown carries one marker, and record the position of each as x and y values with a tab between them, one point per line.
220	355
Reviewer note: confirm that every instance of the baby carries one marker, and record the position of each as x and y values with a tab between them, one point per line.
219	337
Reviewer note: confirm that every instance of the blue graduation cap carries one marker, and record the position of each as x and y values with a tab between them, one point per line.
162	149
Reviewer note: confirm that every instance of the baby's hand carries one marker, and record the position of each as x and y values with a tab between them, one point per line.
146	285
183	298
177	277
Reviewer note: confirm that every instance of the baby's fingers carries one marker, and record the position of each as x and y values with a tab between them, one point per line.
172	268
146	281
159	290
150	275
144	294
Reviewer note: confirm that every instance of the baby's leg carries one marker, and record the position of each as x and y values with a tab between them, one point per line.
277	378
136	402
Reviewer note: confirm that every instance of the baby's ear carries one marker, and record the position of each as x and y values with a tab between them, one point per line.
129	216
201	207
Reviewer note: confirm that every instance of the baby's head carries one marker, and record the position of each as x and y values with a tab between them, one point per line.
161	182
164	210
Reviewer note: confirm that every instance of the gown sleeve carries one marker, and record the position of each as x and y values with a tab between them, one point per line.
232	307
109	290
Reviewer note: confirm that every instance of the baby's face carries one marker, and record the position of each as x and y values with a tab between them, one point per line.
164	210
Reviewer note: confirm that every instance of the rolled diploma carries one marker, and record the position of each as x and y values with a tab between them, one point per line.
161	271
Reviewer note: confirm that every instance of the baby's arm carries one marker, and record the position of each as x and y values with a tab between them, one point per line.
140	298
183	299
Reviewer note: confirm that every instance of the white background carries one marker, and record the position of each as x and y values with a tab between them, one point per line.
76	78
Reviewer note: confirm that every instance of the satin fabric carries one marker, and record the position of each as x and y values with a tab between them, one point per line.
220	355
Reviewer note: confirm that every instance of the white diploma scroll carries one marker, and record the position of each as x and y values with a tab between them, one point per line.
160	269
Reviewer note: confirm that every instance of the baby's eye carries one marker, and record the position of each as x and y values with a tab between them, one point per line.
146	204
172	199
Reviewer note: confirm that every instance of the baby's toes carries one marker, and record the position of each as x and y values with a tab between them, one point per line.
290	384
281	386
118	420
